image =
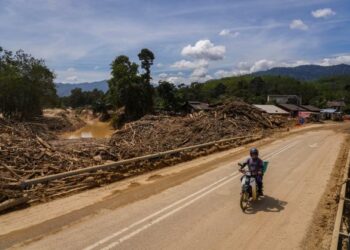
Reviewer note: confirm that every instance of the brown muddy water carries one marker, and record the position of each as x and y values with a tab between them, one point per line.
93	129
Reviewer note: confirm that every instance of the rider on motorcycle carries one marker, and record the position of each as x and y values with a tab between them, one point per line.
255	165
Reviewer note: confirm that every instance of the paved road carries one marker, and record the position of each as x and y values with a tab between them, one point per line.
204	212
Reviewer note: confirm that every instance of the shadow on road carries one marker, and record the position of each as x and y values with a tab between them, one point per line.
266	204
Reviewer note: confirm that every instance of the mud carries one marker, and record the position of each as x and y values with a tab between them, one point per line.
319	234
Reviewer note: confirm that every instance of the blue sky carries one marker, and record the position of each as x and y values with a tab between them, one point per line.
192	40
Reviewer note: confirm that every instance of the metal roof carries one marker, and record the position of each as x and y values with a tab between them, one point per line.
198	105
336	104
291	107
271	109
310	108
329	110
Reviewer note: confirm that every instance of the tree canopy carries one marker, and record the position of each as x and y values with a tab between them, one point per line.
26	85
129	89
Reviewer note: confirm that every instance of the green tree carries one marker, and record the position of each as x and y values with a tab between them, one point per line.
129	89
167	94
219	90
125	88
26	85
79	98
147	57
76	98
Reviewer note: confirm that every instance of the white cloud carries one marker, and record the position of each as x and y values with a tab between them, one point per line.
202	78
227	32
72	78
223	73
244	66
199	72
323	13
72	75
343	59
202	53
262	65
163	75
298	24
224	32
176	80
204	49
184	64
159	65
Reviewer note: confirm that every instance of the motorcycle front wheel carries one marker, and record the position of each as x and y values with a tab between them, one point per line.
244	201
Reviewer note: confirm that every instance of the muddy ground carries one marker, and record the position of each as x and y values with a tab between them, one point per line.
319	234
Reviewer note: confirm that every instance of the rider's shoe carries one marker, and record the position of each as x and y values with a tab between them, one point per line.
261	193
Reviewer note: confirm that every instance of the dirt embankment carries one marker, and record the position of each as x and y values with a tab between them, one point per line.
26	151
319	235
63	120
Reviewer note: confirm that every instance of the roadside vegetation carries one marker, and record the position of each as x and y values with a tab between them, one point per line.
26	85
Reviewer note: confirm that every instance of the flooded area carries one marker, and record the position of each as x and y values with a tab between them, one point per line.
93	129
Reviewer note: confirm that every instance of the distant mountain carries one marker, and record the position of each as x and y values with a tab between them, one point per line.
64	89
307	72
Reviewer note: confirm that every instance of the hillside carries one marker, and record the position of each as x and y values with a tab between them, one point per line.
64	89
308	72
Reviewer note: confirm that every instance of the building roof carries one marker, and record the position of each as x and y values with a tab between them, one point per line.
310	108
291	107
283	98
198	105
336	104
271	109
328	110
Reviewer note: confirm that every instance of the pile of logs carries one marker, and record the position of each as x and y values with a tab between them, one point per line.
160	133
26	154
27	151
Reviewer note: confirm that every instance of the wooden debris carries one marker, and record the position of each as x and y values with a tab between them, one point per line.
26	147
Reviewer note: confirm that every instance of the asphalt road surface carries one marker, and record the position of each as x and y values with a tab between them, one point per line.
203	212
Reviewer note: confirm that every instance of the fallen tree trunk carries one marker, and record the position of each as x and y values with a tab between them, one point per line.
13	203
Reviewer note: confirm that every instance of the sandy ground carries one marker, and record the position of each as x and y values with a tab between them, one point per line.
194	205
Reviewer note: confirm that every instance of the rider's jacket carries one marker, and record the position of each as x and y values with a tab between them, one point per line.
253	165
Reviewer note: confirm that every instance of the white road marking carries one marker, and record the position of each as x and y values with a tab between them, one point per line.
271	155
202	192
110	246
157	213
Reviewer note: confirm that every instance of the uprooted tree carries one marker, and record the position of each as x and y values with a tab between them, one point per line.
26	85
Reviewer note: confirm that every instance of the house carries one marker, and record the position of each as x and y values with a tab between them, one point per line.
283	99
194	106
338	105
271	109
331	113
292	109
311	108
311	113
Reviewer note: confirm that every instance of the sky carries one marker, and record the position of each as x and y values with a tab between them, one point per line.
193	40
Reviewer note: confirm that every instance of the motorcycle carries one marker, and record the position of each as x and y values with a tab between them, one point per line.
249	187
